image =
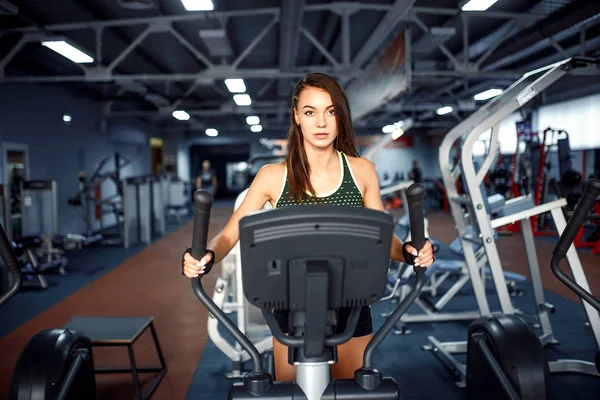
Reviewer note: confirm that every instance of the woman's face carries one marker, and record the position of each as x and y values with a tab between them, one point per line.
316	117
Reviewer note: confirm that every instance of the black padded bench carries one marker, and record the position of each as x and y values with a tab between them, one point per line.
122	331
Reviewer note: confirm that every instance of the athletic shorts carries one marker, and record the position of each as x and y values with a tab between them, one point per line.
364	326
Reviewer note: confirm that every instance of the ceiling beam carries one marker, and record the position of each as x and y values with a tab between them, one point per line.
166	19
482	14
396	13
290	26
261	35
563	22
224	72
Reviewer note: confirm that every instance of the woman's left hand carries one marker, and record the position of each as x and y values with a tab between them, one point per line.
425	257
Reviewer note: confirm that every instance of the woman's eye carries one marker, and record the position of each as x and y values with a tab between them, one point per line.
331	112
308	113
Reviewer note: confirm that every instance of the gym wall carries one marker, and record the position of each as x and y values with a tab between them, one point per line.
33	115
392	160
579	117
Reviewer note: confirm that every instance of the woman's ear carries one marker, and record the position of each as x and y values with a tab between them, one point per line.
296	119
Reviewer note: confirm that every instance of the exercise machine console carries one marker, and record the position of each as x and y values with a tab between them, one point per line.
313	260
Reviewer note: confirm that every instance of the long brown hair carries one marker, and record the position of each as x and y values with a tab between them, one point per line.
298	169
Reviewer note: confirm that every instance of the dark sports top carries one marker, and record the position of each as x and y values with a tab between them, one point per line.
346	193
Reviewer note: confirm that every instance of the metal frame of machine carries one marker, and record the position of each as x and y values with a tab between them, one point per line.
486	118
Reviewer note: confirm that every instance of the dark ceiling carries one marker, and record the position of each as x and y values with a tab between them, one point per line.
152	56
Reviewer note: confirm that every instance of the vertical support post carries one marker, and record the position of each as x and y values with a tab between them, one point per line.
582	39
346	38
465	23
536	281
408	57
482	220
99	43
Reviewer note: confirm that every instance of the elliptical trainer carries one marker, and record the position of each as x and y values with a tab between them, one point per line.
309	260
505	358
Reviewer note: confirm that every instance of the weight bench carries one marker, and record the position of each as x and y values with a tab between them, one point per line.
122	331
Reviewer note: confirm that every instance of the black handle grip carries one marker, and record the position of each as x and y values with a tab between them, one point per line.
590	194
202	203
414	198
7	253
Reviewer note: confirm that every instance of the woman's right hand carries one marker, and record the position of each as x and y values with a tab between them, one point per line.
192	267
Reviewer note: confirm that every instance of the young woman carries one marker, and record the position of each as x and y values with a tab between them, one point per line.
322	166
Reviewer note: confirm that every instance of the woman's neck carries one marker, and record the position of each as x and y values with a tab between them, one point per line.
320	159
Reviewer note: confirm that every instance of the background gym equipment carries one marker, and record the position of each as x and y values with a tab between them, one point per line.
39	208
270	239
177	196
96	205
58	364
137	211
515	210
504	357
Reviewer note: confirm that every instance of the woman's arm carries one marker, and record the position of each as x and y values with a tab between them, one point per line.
372	199
256	198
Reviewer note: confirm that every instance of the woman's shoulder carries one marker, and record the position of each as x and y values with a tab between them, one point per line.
360	166
271	171
267	176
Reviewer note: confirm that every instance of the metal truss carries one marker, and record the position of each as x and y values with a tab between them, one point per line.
289	18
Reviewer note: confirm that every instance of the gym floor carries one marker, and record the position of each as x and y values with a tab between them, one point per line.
146	282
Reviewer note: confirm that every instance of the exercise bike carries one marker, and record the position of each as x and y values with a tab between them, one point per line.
313	260
505	358
56	364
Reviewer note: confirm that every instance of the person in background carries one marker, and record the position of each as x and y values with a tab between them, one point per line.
415	174
207	180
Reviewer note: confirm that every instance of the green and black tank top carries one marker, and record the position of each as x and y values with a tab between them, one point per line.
346	192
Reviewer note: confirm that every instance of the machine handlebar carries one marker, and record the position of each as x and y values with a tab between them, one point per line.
202	205
414	197
7	253
12	264
590	194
